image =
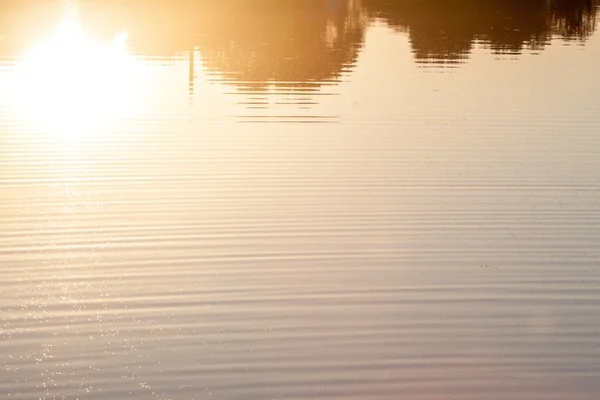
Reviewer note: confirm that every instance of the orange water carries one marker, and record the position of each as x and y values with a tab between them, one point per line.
299	200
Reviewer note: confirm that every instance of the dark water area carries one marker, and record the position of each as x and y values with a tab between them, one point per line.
299	199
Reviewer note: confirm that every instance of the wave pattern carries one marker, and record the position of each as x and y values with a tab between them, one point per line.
439	241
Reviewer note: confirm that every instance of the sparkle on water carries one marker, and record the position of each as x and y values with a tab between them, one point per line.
269	199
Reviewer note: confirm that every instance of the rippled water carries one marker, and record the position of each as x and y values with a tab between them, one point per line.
295	200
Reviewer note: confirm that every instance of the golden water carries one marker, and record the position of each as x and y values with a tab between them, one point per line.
299	199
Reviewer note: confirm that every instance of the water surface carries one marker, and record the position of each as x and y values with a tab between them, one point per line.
299	199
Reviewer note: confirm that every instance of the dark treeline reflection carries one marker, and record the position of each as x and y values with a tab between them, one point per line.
291	42
302	42
445	30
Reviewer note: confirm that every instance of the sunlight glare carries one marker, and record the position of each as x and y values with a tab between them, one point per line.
70	86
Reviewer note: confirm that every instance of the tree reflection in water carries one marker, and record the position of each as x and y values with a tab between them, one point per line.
446	30
306	44
291	43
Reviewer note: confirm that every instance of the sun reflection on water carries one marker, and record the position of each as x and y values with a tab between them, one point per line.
74	87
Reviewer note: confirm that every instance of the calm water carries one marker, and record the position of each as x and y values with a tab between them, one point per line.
334	199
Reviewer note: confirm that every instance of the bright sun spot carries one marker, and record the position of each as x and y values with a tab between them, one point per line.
70	86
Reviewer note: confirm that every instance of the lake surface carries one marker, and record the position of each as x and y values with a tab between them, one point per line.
334	199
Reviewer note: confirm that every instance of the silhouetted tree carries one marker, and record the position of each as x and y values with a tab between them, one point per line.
574	19
304	42
445	30
291	42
